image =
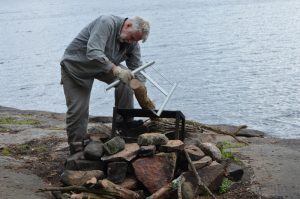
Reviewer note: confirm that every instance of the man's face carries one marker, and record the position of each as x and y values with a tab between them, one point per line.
129	36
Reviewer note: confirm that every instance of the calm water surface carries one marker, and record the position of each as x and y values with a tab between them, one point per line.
236	62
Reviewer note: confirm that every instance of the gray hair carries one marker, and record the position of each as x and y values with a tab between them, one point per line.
141	25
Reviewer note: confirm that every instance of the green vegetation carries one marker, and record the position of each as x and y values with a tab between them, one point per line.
226	152
5	152
10	120
225	186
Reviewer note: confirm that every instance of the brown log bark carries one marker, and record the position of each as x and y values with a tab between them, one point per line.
162	193
140	92
121	191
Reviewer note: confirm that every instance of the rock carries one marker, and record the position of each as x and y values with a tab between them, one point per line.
152	139
211	150
156	171
84	165
130	151
234	172
189	187
213	163
194	152
76	156
129	183
114	145
205	161
70	178
190	141
212	177
99	131
94	150
147	150
116	171
172	146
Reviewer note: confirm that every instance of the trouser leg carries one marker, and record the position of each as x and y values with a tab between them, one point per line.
123	93
77	100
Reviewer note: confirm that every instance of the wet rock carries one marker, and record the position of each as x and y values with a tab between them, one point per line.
152	139
234	172
116	171
194	152
147	150
70	178
84	165
211	150
205	161
114	145
94	150
130	151
156	171
172	146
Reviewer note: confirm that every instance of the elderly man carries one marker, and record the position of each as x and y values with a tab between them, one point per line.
96	53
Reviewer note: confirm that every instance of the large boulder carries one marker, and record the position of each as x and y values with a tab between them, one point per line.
156	171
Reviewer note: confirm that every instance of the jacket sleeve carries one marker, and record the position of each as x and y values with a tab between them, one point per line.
133	60
99	34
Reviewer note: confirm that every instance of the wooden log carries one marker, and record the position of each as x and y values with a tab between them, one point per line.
140	92
120	191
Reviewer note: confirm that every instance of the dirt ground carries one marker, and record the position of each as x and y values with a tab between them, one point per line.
33	153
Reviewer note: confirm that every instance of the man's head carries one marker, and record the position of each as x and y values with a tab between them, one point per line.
134	30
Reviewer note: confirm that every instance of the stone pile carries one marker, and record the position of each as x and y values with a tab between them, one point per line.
154	166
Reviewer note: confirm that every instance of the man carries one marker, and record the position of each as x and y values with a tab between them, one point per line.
96	53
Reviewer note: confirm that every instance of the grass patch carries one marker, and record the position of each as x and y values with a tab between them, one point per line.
15	121
226	152
225	186
5	152
39	148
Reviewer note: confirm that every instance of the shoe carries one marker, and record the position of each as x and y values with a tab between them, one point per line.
130	124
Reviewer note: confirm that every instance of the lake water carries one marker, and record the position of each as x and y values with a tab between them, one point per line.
236	61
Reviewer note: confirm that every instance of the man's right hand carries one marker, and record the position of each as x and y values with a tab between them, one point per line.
123	74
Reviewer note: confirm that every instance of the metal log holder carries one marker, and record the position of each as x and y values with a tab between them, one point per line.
127	113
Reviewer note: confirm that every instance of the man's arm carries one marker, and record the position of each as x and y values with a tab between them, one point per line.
99	35
134	60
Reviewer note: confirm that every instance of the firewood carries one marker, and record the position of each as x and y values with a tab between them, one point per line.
120	191
140	92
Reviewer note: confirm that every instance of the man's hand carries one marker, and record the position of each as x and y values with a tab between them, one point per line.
123	74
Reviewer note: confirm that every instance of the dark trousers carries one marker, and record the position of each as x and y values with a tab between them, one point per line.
78	99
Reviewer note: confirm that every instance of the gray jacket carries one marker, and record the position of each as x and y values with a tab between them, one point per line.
96	48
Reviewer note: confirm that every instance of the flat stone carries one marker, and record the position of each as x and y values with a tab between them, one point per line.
172	146
147	150
156	171
234	172
84	165
205	161
194	152
94	150
211	150
70	178
128	153
152	139
116	171
114	145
